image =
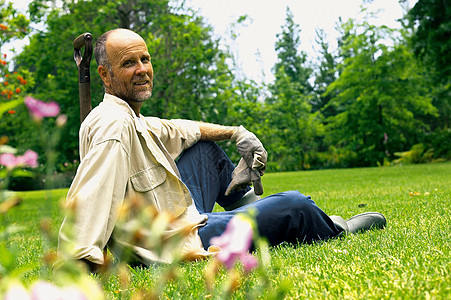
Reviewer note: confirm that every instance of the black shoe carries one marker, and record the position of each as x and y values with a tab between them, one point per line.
341	224
366	221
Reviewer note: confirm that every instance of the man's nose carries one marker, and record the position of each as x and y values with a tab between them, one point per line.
140	68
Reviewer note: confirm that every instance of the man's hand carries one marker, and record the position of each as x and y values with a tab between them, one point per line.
253	164
242	177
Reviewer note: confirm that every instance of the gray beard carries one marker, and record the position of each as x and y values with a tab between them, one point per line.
140	96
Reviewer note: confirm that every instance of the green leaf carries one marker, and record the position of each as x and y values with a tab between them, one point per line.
7	258
4	107
21	173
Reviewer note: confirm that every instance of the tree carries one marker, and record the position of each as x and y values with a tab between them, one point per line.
325	75
13	25
288	109
289	57
381	96
293	125
431	22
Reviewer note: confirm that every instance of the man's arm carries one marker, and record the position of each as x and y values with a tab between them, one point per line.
253	163
214	132
96	195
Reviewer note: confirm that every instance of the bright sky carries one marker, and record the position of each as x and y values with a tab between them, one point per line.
266	18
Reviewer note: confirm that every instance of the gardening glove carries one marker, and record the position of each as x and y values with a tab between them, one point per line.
253	163
242	177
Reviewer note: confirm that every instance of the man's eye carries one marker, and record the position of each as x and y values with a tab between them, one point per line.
127	63
145	59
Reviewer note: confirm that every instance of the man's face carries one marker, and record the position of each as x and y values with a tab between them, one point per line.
131	70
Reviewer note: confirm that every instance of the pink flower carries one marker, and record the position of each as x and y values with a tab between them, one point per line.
235	243
29	158
249	262
8	160
39	109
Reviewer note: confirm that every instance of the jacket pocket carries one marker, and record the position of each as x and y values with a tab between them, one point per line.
148	179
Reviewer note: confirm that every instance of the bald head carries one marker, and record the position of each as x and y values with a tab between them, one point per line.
120	41
100	50
124	66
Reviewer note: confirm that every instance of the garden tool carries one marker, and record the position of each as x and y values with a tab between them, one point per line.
84	77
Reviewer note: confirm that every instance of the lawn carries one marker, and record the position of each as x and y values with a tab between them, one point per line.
409	259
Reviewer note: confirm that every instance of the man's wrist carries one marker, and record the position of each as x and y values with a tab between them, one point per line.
238	133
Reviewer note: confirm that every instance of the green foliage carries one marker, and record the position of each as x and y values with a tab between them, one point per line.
440	141
381	97
292	126
13	25
16	125
431	22
326	73
4	107
289	58
416	155
189	69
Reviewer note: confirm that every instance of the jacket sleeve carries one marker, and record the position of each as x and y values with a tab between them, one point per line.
93	200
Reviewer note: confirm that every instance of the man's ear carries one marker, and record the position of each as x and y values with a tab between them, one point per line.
105	75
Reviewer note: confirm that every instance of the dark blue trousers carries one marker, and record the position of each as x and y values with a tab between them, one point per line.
284	217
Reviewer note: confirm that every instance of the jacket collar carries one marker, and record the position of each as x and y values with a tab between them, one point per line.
116	101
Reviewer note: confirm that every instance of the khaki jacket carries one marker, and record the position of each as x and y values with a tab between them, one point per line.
119	159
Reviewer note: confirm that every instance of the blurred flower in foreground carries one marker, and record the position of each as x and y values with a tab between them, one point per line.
28	159
61	120
43	290
39	109
235	243
16	291
249	261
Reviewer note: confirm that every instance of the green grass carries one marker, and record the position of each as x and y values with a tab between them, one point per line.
409	259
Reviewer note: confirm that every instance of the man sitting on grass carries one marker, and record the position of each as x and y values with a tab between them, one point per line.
124	155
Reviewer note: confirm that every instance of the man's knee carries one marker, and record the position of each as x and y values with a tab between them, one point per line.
285	203
200	153
296	200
